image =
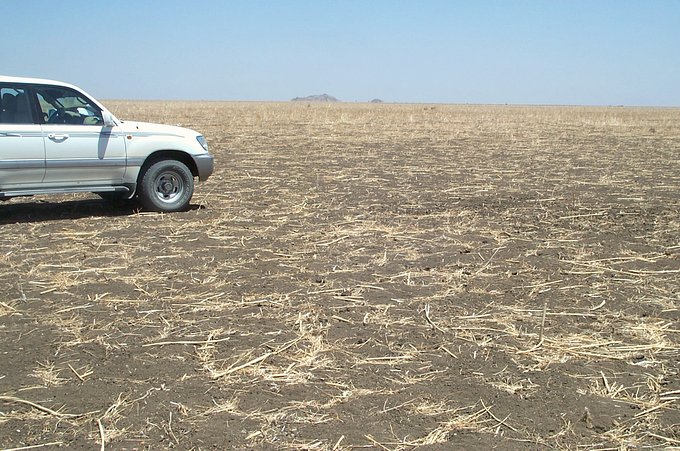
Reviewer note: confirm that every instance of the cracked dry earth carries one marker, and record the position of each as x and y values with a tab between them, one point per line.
355	276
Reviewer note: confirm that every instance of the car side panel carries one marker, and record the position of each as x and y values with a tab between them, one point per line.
142	144
84	154
22	155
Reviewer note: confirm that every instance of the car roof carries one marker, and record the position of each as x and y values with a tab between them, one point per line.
39	81
43	81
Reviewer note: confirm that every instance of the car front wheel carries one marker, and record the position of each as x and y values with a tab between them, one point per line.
167	186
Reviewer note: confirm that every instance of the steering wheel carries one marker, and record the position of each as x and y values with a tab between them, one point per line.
56	116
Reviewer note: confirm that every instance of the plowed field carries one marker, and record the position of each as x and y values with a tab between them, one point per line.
356	276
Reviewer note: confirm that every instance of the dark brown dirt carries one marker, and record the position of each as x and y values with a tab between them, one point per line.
359	277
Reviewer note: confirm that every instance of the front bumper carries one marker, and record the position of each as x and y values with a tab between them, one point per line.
205	165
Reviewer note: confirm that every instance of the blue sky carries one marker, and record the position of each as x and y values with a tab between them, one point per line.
583	52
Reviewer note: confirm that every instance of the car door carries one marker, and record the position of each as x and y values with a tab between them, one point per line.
79	149
22	151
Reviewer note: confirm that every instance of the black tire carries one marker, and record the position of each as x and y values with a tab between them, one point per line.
167	186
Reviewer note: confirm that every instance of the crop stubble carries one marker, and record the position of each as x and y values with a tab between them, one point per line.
359	276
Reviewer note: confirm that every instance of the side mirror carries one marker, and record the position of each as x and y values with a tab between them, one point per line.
109	119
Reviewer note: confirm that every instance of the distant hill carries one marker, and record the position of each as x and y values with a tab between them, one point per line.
316	98
376	101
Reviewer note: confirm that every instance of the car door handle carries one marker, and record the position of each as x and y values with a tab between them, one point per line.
56	137
10	135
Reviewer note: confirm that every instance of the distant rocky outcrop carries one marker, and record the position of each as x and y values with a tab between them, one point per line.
376	101
316	98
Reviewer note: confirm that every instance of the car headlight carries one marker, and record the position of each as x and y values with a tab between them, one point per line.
201	140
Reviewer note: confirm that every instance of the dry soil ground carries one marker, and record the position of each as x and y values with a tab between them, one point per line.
387	277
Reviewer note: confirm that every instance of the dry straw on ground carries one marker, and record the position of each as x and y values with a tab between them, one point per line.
388	277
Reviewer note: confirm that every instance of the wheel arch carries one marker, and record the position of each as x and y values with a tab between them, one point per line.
160	155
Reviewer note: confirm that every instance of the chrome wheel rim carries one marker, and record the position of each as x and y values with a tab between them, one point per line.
168	187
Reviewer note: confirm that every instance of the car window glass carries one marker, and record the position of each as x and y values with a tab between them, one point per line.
15	107
65	106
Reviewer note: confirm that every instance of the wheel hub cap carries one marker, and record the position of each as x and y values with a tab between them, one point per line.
168	187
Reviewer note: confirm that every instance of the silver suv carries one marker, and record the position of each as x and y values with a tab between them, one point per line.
54	138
